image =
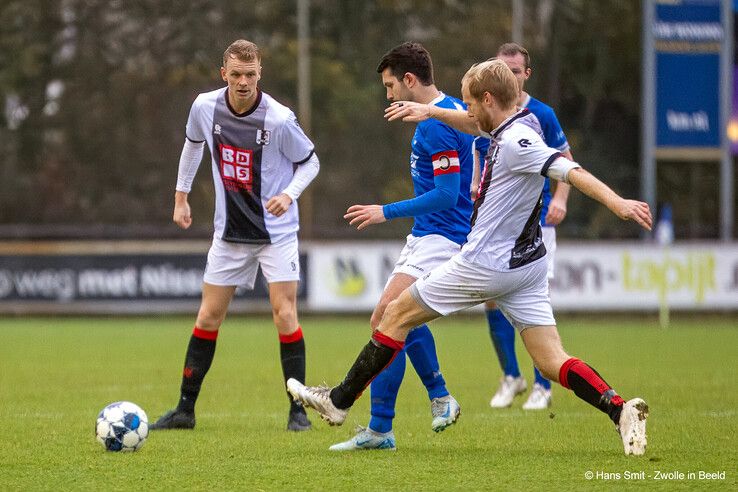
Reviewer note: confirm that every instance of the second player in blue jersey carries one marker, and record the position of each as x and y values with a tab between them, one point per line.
441	169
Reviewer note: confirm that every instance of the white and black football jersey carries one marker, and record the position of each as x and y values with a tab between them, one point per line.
506	230
253	156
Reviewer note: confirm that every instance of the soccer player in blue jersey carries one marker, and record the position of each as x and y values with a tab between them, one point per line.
554	210
441	169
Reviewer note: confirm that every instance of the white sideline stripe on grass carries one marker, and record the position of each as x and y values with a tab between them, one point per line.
239	414
719	414
60	415
38	415
516	413
496	414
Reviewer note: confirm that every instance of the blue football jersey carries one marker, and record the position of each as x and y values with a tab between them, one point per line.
554	137
439	149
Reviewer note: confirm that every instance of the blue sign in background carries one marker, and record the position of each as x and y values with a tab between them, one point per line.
688	74
687	89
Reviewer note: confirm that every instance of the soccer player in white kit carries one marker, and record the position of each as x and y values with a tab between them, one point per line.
504	259
262	161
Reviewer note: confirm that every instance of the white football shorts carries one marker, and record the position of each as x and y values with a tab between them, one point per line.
422	254
237	263
548	235
521	294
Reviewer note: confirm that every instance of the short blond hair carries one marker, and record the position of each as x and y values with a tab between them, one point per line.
495	77
243	50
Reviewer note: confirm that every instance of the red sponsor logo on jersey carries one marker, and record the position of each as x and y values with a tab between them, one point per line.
236	167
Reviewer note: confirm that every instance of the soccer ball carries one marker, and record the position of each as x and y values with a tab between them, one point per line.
122	426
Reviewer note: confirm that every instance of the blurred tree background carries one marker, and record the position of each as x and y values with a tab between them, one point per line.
96	95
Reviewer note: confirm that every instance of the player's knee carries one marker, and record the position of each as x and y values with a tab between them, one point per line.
550	364
390	313
393	318
209	320
550	372
284	314
377	315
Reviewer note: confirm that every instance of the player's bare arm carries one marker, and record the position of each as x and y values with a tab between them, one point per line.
182	214
278	204
557	206
362	216
476	177
625	209
409	111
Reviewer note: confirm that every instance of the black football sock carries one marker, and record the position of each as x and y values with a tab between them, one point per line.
588	385
292	355
374	357
199	356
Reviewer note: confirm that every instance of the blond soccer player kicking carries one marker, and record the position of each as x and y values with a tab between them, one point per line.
503	260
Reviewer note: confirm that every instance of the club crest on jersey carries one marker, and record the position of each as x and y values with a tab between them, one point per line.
217	130
263	136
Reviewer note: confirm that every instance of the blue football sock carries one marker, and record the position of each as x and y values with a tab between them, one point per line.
540	379
503	339
421	348
383	392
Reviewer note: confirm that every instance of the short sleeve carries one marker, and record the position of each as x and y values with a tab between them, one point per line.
293	142
525	152
481	145
441	142
552	132
193	130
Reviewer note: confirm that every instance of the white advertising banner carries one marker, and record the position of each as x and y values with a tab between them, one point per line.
588	276
349	276
638	276
141	277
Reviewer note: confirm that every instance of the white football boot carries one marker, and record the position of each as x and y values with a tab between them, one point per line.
632	427
318	398
539	399
367	439
445	411
510	387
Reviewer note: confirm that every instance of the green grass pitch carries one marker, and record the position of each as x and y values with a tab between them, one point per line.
57	373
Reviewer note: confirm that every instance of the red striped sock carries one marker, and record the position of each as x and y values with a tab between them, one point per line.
295	336
292	357
199	356
588	385
387	341
376	355
205	334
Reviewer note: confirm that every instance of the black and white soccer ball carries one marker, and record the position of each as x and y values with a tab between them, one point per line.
122	426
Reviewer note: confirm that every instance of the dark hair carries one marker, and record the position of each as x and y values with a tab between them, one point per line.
512	49
408	57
